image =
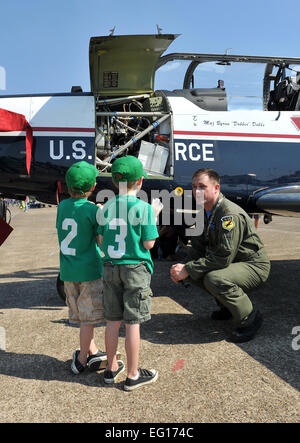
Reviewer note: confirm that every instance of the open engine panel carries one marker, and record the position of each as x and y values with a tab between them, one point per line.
135	125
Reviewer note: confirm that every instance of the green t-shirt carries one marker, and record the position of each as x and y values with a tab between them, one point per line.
80	256
125	222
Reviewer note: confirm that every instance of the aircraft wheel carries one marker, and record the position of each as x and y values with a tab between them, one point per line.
267	219
60	288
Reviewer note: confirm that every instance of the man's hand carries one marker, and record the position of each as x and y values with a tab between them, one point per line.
178	272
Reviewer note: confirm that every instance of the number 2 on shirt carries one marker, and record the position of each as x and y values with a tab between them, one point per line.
119	238
64	246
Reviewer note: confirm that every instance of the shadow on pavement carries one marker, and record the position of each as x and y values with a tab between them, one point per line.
45	367
278	300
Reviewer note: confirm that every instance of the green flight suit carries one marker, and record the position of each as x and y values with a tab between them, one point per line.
229	259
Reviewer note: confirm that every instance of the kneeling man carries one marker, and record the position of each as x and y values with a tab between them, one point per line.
228	259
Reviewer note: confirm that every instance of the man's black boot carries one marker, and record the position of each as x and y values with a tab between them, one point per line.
221	314
248	329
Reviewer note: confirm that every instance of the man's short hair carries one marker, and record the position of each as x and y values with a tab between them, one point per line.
211	173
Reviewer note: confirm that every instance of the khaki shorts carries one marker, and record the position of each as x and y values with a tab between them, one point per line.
85	301
126	292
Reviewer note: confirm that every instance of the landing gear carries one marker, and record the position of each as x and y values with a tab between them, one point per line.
267	218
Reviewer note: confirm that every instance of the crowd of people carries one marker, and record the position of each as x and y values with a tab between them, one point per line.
106	263
25	204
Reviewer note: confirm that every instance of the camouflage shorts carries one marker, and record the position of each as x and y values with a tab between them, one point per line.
85	301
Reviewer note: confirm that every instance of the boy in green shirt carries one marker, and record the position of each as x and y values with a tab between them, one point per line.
127	231
81	264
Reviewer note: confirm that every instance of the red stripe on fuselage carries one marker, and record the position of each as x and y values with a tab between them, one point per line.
236	134
50	129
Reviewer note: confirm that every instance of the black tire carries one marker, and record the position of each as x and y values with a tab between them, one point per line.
60	288
267	219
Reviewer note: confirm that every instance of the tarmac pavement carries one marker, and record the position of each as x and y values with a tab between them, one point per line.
202	376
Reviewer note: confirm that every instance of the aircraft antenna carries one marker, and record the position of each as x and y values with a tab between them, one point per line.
112	30
158	29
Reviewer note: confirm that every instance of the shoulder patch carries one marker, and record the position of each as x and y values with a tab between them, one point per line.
228	222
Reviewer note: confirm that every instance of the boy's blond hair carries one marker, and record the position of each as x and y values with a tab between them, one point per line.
76	194
130	185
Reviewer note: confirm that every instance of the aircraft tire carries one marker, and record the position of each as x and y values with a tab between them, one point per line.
60	288
267	219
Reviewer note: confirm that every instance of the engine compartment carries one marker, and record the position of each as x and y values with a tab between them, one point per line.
137	125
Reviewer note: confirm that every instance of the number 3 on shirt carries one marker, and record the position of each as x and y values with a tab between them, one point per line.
64	246
119	238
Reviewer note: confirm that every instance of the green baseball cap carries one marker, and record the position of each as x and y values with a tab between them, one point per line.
81	176
127	169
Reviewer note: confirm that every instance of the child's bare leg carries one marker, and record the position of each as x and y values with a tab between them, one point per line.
132	346
111	343
87	344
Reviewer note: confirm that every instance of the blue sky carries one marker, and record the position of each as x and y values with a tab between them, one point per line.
44	43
